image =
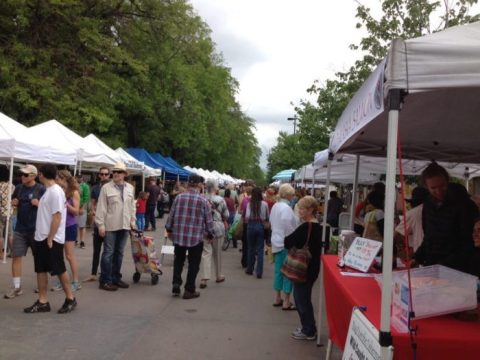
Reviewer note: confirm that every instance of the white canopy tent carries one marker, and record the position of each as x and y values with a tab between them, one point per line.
435	81
63	137
17	143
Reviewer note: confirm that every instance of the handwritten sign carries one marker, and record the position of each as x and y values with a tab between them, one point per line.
362	340
361	253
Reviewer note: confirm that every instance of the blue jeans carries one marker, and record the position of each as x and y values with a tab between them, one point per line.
140	221
150	216
112	256
255	240
302	293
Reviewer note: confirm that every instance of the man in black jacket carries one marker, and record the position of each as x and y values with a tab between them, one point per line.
448	216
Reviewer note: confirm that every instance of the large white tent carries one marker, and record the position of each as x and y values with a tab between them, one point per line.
435	81
65	138
17	143
20	144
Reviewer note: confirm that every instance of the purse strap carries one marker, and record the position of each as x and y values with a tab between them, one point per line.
308	236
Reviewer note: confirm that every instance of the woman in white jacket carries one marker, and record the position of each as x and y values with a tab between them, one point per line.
283	222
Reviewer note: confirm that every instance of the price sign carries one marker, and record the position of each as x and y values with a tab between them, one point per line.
361	253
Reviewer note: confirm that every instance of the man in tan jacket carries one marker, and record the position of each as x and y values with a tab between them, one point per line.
115	216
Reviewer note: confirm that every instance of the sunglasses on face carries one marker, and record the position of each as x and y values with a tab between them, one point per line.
26	175
117	172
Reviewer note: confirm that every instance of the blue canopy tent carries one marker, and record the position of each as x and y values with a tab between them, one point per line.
284	175
144	156
172	172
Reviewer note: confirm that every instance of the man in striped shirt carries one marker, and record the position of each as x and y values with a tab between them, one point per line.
189	221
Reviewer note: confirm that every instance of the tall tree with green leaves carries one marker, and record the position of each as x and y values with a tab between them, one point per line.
137	73
399	19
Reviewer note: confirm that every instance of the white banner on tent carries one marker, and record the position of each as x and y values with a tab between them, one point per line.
364	106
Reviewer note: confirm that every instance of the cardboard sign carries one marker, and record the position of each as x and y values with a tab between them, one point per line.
361	253
362	340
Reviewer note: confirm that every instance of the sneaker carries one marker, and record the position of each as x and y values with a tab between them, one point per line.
68	306
190	295
76	285
82	245
299	335
37	307
57	286
13	292
176	290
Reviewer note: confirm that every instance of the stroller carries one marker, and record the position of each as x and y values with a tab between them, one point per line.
144	256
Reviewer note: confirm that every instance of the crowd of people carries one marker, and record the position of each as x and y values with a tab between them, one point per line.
51	209
50	216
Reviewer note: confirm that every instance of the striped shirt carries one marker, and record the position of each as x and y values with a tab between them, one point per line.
189	219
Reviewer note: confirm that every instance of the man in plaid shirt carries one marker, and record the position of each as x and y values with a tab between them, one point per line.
189	221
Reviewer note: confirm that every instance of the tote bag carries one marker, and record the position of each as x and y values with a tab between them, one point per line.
296	263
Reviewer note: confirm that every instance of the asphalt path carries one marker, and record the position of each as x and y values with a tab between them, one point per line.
230	320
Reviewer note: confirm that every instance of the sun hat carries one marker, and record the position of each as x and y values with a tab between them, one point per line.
29	169
120	166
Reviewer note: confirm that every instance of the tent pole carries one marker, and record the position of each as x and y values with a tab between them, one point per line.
313	183
324	233
9	208
163	181
385	334
143	181
354	193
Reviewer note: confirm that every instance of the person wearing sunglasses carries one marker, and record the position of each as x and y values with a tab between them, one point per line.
25	198
103	178
115	217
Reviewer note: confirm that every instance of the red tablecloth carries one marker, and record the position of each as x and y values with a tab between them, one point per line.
442	337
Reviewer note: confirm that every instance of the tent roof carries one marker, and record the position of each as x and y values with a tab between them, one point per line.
441	73
169	168
65	138
21	143
284	175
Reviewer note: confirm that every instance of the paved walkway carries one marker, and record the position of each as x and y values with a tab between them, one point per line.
231	320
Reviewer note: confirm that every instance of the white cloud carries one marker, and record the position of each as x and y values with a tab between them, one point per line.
277	49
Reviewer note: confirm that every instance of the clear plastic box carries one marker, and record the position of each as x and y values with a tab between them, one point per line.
437	290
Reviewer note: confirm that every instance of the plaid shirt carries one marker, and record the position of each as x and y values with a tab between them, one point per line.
190	218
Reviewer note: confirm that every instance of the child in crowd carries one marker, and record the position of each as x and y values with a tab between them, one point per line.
141	208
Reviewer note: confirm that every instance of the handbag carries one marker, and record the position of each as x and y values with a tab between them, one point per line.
296	263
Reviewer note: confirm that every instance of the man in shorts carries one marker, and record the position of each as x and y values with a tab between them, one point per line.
25	198
49	242
82	215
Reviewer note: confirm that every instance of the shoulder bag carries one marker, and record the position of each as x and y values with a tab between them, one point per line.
296	263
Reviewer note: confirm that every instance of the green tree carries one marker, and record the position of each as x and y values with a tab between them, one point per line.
400	19
137	73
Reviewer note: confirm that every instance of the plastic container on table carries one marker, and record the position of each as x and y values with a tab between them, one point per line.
437	290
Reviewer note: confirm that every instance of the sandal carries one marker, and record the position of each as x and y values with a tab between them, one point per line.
220	279
278	304
203	284
289	308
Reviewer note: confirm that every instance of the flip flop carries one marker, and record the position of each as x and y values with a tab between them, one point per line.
222	279
278	304
291	307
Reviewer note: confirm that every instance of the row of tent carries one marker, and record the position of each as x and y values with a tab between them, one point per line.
53	142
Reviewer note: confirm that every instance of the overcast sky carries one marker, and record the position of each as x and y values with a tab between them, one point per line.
276	49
